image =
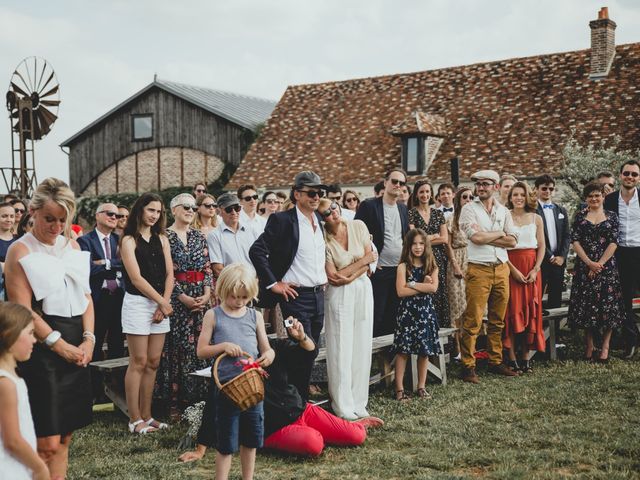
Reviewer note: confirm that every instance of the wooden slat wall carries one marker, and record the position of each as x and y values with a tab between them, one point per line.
176	123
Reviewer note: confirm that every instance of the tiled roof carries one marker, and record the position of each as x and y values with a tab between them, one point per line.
240	109
422	123
513	116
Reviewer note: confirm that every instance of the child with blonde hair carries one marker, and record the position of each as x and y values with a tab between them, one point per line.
18	456
234	328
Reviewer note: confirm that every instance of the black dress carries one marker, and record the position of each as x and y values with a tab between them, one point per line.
596	304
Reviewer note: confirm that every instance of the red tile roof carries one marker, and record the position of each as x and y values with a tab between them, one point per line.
512	116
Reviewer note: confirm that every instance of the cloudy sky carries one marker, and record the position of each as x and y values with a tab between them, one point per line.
104	51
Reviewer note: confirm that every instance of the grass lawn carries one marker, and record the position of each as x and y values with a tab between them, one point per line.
567	419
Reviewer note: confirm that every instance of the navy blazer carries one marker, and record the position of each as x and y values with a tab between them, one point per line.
99	273
274	250
611	201
563	232
371	212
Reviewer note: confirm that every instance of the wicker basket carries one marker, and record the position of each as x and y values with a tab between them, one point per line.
246	390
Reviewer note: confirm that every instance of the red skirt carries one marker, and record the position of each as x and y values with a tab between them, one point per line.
524	313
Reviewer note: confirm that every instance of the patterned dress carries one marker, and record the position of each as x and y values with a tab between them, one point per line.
456	286
173	383
417	326
596	303
441	301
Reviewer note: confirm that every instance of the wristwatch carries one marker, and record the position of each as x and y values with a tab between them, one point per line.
52	338
412	284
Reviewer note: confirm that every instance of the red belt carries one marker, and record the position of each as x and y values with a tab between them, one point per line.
190	276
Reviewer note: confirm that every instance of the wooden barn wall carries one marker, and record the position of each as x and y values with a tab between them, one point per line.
176	123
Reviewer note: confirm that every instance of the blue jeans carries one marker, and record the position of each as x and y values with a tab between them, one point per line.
235	428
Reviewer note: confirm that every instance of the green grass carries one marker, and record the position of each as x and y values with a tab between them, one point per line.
567	420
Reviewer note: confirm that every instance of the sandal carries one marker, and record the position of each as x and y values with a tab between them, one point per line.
141	431
401	396
422	393
153	423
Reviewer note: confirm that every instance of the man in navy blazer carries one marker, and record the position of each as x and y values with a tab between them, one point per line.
388	223
107	289
557	237
625	204
289	259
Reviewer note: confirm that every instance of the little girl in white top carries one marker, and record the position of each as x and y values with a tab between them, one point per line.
18	457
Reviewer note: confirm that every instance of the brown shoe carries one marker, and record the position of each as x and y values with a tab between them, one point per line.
501	369
469	375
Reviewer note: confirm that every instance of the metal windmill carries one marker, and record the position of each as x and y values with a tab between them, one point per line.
32	100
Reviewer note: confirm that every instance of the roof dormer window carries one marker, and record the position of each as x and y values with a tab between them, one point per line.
413	154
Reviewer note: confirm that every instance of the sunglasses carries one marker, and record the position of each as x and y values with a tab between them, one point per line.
248	198
610	185
313	193
22	210
110	214
332	208
484	184
271	200
351	199
627	173
186	208
200	190
334	198
467	197
395	181
209	205
233	208
120	216
261	211
545	189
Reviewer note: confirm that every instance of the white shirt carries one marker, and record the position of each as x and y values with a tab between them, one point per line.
307	269
255	225
448	213
347	214
550	221
629	216
227	247
474	218
107	261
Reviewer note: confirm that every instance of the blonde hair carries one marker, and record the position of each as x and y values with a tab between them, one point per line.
55	190
234	278
13	319
197	221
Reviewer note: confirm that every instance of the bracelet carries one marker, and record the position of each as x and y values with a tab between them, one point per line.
90	336
52	338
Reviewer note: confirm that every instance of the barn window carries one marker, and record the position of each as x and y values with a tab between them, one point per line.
142	126
413	154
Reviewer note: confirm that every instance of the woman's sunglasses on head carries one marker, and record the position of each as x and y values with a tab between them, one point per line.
332	208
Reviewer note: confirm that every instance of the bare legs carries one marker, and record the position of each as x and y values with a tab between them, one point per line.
401	366
54	450
247	462
589	345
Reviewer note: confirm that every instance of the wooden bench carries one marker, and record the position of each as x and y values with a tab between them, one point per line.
113	371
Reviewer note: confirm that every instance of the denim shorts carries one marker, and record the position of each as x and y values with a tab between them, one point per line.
235	428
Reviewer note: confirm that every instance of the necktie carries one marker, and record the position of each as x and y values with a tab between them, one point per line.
548	206
112	285
449	209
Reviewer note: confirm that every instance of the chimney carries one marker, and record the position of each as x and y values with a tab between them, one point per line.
603	44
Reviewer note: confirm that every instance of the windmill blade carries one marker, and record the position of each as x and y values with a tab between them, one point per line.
46	115
36	131
19	90
31	84
24	82
44	69
50	92
42	125
50	103
46	83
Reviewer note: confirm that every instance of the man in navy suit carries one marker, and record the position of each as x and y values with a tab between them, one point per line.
289	259
388	223
557	240
624	203
107	289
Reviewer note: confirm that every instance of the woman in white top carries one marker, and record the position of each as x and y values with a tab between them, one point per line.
47	273
523	321
348	311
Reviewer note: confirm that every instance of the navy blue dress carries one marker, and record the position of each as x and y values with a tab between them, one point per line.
417	327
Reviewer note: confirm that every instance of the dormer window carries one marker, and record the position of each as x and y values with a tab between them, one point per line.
142	127
413	154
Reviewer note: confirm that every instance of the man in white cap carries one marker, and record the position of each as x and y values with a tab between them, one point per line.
489	227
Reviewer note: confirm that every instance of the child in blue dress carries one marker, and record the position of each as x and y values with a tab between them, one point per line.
233	328
417	325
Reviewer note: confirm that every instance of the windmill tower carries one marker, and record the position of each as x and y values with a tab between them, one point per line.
32	100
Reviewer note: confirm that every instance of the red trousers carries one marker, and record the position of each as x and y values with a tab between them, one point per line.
315	428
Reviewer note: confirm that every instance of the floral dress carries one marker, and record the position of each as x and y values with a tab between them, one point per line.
417	326
596	303
174	384
441	301
456	286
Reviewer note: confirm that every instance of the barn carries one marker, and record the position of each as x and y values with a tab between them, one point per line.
166	135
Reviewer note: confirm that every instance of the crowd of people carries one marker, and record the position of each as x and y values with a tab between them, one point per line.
230	270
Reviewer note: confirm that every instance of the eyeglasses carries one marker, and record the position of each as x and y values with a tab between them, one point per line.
109	214
550	189
351	199
186	208
120	216
248	198
395	181
313	193
627	173
271	200
209	205
200	190
335	198
233	208
484	184
467	197
22	210
610	185
332	208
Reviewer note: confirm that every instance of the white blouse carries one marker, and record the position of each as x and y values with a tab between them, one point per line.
526	236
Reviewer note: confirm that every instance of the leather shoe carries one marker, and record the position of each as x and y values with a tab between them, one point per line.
501	369
629	352
469	375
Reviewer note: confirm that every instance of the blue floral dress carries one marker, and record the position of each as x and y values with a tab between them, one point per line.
417	326
596	303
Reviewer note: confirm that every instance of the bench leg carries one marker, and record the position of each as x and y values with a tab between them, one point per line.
384	364
553	355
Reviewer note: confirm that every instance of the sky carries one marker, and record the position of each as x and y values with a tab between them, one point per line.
105	51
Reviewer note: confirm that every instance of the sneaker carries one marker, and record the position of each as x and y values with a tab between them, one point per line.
501	369
469	375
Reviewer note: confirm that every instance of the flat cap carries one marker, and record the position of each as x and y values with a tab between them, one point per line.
228	199
308	179
486	175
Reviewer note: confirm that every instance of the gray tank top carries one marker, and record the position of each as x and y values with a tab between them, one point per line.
238	330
